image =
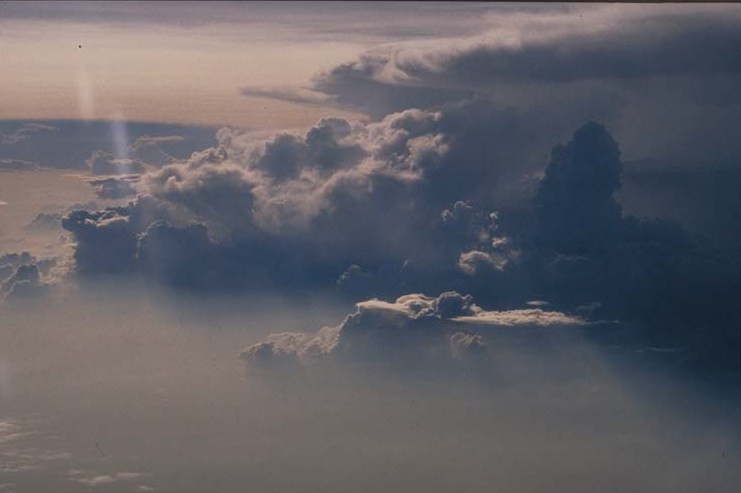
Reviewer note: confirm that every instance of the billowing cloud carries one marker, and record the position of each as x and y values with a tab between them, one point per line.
634	68
25	283
420	201
562	48
412	329
575	204
608	43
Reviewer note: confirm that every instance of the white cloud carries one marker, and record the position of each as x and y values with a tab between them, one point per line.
412	329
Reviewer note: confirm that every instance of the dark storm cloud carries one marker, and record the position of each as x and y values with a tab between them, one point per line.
668	72
575	249
560	50
447	189
580	248
107	239
576	207
634	48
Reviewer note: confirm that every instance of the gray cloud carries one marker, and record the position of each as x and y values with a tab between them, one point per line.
603	44
45	221
420	201
25	283
115	188
635	68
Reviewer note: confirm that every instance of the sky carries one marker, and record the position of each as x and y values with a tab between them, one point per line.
299	247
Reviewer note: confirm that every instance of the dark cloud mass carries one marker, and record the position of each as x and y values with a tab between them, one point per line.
355	207
519	269
446	188
670	73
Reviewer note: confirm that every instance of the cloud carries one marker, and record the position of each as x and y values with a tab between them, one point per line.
45	222
530	316
412	329
24	284
103	163
289	95
18	165
160	150
105	479
107	239
605	44
636	68
69	144
416	202
115	188
575	203
325	194
475	261
24	132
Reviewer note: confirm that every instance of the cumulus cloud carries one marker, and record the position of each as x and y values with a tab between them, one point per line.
304	207
575	203
107	239
423	200
412	329
24	283
387	208
632	67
